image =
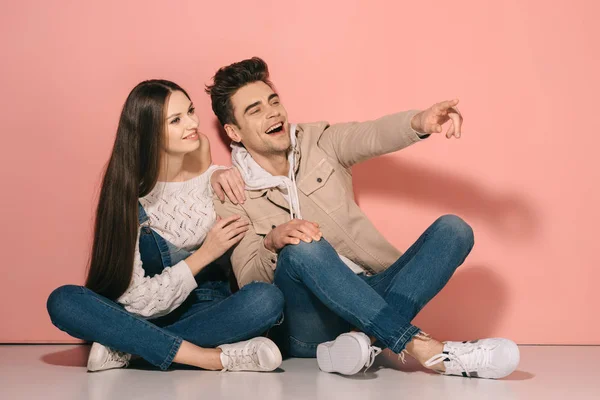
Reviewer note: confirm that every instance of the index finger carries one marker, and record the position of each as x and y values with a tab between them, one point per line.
457	123
227	188
445	105
236	188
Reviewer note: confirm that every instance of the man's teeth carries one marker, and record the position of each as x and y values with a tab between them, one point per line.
275	127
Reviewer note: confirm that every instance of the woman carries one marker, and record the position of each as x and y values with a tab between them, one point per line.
154	287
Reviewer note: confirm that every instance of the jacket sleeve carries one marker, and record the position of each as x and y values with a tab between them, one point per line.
354	142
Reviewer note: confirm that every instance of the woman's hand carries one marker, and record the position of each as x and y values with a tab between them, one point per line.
224	234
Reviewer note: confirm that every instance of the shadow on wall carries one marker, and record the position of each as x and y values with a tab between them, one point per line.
509	214
472	303
468	307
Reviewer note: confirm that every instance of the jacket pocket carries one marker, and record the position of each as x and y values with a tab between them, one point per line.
321	186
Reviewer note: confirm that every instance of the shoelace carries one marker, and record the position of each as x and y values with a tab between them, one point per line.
117	356
246	356
374	351
402	356
469	358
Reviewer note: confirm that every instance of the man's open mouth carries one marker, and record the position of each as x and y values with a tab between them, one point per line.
275	128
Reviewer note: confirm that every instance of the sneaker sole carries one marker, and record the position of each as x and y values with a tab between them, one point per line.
345	355
515	358
276	355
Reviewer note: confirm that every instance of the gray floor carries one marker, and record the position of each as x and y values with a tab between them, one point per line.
58	372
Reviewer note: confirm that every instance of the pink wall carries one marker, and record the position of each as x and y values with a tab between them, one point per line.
523	175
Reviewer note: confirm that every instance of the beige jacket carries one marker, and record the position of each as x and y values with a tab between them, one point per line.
324	181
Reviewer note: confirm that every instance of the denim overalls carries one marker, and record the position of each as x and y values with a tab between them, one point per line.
214	281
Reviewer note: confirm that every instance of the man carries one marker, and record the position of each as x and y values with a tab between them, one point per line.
310	238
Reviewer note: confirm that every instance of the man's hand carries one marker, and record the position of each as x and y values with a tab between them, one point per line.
228	182
432	119
291	233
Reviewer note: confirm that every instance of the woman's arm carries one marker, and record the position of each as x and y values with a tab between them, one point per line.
152	297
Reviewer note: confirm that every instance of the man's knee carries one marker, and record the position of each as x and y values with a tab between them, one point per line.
303	253
458	230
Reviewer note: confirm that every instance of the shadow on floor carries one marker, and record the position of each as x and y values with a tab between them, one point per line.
73	357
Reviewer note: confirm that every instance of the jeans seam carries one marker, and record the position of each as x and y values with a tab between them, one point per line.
407	299
423	238
341	307
172	353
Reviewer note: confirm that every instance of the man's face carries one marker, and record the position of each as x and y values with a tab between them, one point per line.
262	120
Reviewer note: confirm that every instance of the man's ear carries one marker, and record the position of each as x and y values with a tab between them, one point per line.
233	133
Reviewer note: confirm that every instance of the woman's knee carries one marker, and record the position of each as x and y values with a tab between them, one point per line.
267	300
62	301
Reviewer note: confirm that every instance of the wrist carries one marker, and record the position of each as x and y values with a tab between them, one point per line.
414	124
200	259
268	243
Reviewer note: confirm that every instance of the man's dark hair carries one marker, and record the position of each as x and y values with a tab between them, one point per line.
228	80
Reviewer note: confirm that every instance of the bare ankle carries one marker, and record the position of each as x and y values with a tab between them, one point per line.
190	354
422	347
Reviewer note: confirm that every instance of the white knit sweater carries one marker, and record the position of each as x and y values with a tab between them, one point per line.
182	213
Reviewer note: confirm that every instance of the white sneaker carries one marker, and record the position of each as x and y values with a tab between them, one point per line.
485	358
347	354
102	358
258	354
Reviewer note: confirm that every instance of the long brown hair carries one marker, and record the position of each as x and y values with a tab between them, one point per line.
131	173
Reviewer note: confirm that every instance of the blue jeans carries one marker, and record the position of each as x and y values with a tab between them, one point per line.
324	298
209	317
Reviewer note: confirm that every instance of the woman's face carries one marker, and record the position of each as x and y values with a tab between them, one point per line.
182	125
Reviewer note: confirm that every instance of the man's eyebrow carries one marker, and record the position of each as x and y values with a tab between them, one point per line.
256	103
